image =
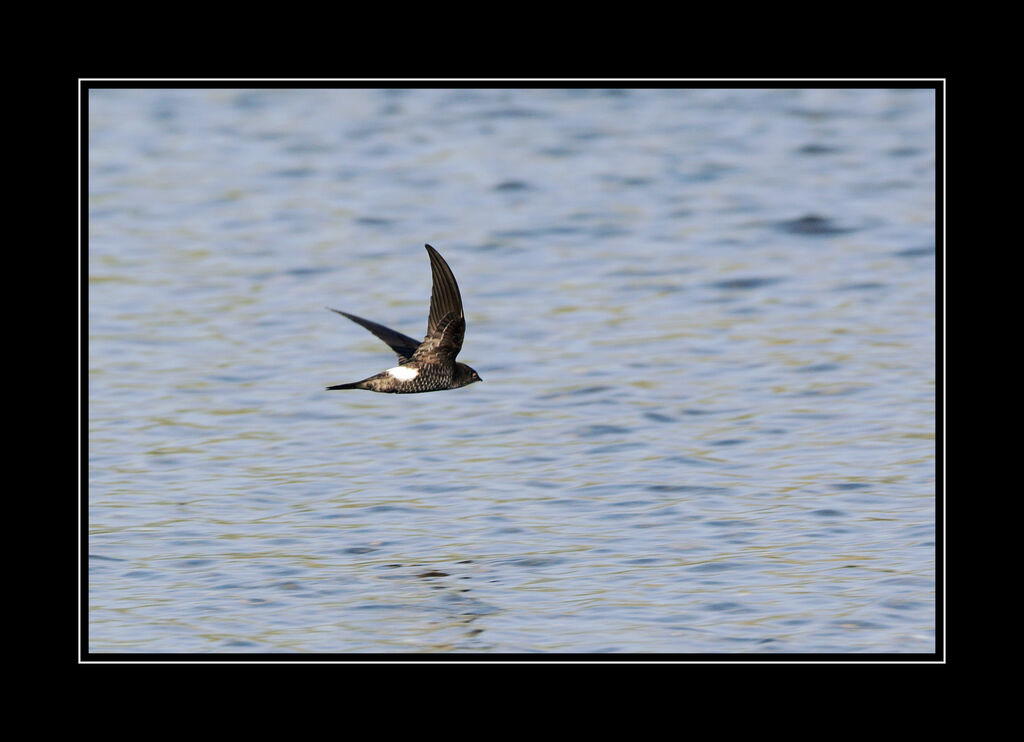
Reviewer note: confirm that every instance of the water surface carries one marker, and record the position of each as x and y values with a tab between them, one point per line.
706	324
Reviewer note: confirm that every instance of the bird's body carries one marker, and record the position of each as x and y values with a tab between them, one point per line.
427	366
414	378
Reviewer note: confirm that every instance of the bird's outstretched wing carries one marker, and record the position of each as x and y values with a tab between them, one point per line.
403	345
446	325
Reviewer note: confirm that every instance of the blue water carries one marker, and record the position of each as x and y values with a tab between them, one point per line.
705	320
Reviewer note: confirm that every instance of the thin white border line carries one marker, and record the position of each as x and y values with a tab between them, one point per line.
515	79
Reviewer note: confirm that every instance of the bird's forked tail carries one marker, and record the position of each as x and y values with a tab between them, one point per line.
353	385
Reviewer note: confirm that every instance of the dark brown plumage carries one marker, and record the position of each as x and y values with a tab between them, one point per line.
427	366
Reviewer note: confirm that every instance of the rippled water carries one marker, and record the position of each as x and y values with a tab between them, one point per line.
706	324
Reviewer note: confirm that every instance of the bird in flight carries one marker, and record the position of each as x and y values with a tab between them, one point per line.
429	366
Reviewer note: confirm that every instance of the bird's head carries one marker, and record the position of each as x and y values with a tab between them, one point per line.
465	375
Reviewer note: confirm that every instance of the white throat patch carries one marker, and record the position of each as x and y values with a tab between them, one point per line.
403	373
